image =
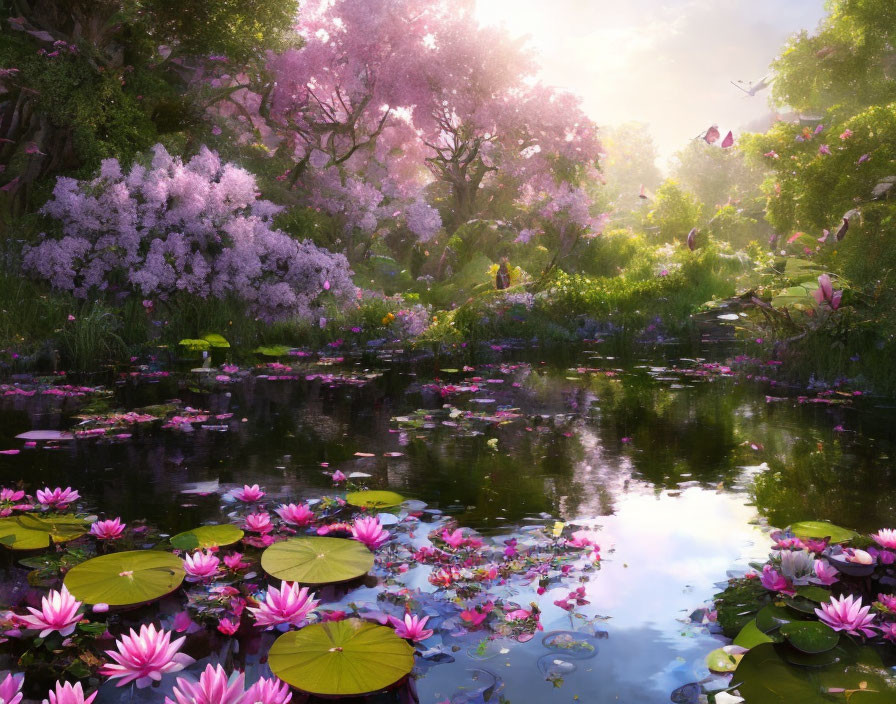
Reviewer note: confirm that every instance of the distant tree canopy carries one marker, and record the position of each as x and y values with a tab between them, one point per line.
674	213
630	162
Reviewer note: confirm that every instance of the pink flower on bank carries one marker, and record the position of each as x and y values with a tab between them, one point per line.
886	538
297	515
289	605
145	656
370	532
248	493
58	612
259	522
847	614
454	539
268	691
214	687
201	565
773	581
825	573
584	539
412	627
108	530
10	688
66	693
57	498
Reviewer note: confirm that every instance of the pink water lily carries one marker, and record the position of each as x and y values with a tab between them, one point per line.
259	522
885	537
66	693
11	688
584	539
145	656
454	539
108	530
58	612
201	565
825	573
289	605
772	580
268	691
370	532
235	561
847	614
338	477
296	515
11	495
215	686
248	493
57	498
412	627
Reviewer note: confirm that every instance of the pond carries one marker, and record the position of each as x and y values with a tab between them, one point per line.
676	466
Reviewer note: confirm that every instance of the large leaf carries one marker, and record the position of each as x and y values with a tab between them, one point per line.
374	499
207	537
216	340
124	578
822	529
341	658
193	345
771	618
33	532
273	350
810	637
317	560
724	659
794	296
750	636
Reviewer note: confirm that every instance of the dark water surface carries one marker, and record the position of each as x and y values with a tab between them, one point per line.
681	471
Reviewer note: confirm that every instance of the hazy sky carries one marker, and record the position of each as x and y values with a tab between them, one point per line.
664	62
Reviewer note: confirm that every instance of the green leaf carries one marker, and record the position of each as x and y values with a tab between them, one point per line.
317	560
194	345
374	499
207	537
273	350
771	618
216	340
793	296
341	658
125	578
721	660
810	637
31	532
817	594
822	529
750	636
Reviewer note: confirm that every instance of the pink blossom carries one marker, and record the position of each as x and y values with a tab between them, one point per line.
846	134
338	477
201	565
290	605
248	493
773	581
885	537
268	691
888	601
58	612
235	561
215	686
66	693
454	539
825	573
11	495
259	522
370	532
10	688
888	631
297	515
108	530
412	627
824	149
477	615
57	498
847	614
584	539
228	627
145	656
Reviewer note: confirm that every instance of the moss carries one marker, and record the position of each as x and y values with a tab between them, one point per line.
738	604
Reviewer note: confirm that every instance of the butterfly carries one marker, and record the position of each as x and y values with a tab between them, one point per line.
728	141
712	134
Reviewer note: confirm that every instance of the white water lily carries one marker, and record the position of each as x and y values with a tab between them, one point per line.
797	566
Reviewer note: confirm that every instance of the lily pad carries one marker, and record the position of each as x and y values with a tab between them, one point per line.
207	537
125	578
273	350
374	499
771	618
810	637
193	345
817	594
216	340
341	658
724	659
750	636
31	532
822	529
317	560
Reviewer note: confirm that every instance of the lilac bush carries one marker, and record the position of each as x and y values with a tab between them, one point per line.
175	227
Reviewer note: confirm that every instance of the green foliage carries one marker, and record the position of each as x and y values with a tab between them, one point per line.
673	214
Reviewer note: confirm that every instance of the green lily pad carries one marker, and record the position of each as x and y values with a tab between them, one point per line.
125	578
750	636
822	529
817	594
317	560
341	658
273	350
216	340
374	499
800	604
207	537
722	660
810	637
771	618
34	532
192	345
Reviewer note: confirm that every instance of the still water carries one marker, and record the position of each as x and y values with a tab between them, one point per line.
680	466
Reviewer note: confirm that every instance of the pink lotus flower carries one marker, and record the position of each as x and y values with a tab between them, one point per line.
370	532
259	522
10	688
454	539
108	530
201	565
58	612
66	693
825	573
145	657
885	537
215	687
888	631
888	601
773	581
297	515
249	493
268	691
477	615
235	561
412	627
289	605
57	498
847	614
228	627
338	477
11	495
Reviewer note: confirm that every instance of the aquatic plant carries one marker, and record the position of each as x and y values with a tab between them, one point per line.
57	498
201	565
847	614
67	693
108	530
288	606
297	515
59	612
249	494
370	532
11	688
215	686
411	627
145	656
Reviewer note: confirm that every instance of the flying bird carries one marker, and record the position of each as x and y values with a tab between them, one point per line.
753	88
